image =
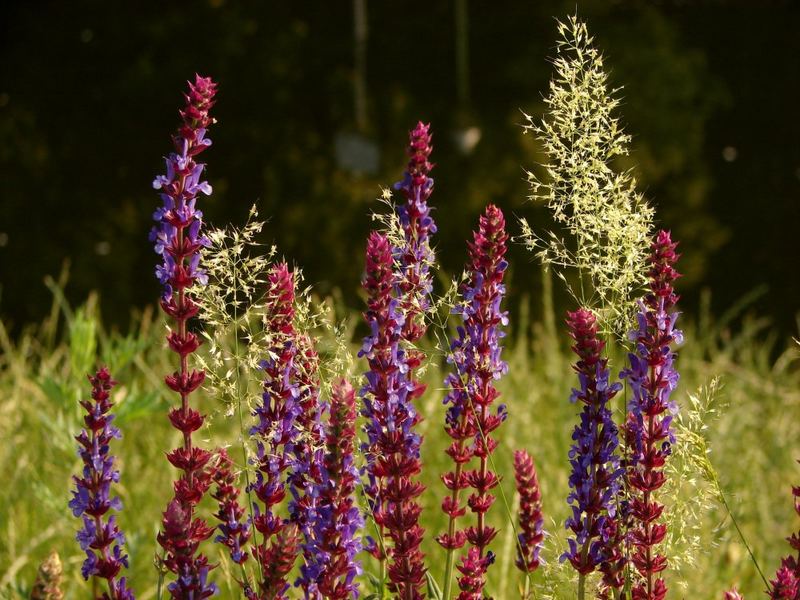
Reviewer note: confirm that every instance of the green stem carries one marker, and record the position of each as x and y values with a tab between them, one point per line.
448	574
741	536
581	586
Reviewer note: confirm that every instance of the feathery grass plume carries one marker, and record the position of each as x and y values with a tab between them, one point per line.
595	476
100	536
470	420
648	433
340	518
178	240
607	222
686	494
392	448
531	521
694	449
786	584
232	311
48	579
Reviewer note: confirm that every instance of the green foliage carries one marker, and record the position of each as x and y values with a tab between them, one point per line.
607	221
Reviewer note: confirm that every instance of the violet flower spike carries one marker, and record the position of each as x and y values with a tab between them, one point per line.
786	584
648	434
470	419
275	432
531	521
416	257
177	238
392	447
593	456
234	529
340	519
100	538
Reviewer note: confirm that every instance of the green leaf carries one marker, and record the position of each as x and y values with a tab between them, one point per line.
434	591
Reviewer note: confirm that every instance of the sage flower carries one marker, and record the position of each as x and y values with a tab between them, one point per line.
595	475
471	419
177	237
100	538
340	519
531	520
392	448
652	378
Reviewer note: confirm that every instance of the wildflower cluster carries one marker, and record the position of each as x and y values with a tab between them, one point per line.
100	538
652	378
178	240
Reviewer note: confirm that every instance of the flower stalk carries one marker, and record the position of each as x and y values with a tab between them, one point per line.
100	538
652	378
177	238
470	419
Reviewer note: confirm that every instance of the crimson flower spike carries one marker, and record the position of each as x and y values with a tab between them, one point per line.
648	435
178	239
531	520
392	448
786	585
471	418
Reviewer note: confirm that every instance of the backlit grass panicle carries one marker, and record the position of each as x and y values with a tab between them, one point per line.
603	224
232	311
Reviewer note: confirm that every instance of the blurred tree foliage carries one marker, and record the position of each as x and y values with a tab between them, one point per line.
89	92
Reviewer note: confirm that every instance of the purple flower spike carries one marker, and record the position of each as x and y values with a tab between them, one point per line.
473	569
733	594
786	584
100	537
234	531
340	520
416	257
648	435
393	447
470	418
595	465
276	433
531	521
178	240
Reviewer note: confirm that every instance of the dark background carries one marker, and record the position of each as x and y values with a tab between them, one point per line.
89	92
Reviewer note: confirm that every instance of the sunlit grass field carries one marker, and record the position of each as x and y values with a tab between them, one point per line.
753	438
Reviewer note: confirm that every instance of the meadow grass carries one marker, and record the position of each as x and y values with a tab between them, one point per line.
753	436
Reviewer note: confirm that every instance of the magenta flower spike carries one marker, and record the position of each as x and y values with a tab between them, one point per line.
473	570
392	448
234	528
786	584
733	594
652	378
471	418
275	431
340	519
100	536
531	520
177	238
416	257
595	465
